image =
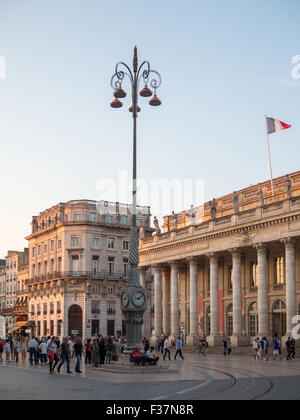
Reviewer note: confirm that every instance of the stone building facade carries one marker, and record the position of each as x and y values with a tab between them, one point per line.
78	263
2	285
230	268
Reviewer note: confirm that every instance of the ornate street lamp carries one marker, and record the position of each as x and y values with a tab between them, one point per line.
133	296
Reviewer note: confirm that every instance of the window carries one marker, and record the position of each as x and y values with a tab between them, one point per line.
208	322
109	219
125	245
230	277
253	275
95	307
59	244
45	309
32	309
125	266
92	217
111	289
74	241
52	266
111	243
39	328
39	269
253	320
95	265
59	264
111	308
111	265
77	217
51	308
58	326
33	251
279	277
96	243
45	248
33	270
229	320
51	327
58	307
52	245
45	328
75	264
124	220
45	267
39	250
39	310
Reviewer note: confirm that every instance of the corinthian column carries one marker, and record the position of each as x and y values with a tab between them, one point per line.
166	301
290	275
263	312
174	301
146	329
157	301
193	338
214	339
237	339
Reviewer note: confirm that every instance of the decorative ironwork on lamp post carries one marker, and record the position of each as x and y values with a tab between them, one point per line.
133	296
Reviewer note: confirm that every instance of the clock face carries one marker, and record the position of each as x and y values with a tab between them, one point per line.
124	299
138	299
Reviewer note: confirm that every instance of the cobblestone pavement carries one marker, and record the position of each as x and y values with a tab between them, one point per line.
212	378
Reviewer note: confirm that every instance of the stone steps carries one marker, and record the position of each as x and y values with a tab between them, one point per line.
125	368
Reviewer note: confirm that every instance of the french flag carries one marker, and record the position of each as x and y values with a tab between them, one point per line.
276	125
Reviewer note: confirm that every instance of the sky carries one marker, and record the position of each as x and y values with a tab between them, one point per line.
224	65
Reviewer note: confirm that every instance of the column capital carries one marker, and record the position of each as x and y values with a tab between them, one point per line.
174	263
212	256
235	252
143	269
192	260
156	267
261	248
289	243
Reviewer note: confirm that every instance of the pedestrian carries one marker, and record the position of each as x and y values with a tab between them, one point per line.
109	350
65	355
229	347
1	349
151	357
17	346
7	350
23	349
32	347
78	352
117	349
266	348
95	353
146	346
256	349
293	349
182	338
87	347
261	343
276	348
166	348
162	344
157	344
52	354
288	348
225	348
102	351
202	347
44	352
178	348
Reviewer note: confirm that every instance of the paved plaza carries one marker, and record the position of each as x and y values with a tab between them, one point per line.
197	378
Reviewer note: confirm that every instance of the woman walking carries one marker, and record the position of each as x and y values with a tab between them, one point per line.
109	351
95	353
102	351
7	350
88	352
23	348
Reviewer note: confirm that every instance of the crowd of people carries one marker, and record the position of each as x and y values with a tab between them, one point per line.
261	348
51	352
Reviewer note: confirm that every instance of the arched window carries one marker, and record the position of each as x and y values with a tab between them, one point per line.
279	318
253	319
229	320
208	322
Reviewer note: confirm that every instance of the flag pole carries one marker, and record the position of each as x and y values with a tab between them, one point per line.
270	163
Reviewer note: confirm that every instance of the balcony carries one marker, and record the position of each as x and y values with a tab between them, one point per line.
111	311
95	311
103	275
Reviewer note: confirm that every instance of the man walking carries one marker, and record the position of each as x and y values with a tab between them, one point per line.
32	347
166	348
78	351
178	348
65	355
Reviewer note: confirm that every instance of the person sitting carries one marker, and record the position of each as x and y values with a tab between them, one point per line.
151	357
136	357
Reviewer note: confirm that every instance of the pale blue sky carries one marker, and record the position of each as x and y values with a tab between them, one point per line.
224	65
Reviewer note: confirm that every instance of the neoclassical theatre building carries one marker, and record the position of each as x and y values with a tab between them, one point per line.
78	263
230	268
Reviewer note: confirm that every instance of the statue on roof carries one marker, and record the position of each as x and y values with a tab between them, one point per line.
288	187
235	201
156	226
261	196
175	221
213	208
